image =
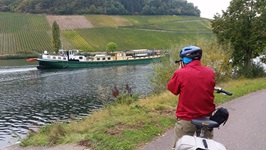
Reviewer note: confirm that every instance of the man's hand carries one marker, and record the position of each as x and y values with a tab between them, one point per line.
181	64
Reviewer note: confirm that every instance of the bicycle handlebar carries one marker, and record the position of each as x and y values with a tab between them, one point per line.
220	90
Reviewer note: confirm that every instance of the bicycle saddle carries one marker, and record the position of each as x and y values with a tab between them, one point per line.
204	122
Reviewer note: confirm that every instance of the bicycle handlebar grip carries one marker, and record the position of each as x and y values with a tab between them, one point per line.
220	90
226	92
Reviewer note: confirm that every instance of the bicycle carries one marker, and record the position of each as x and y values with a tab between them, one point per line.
195	142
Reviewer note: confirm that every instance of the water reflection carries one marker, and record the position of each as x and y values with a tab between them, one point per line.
30	98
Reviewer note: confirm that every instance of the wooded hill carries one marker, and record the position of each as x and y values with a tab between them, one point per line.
109	7
29	33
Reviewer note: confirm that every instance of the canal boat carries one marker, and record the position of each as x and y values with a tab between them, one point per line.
76	59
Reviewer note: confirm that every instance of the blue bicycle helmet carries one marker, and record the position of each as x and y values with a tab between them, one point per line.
192	52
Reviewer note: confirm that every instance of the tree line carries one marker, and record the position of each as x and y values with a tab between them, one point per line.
109	7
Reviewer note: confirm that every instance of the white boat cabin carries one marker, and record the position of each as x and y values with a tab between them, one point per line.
74	55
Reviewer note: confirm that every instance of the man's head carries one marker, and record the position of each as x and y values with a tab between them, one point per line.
190	53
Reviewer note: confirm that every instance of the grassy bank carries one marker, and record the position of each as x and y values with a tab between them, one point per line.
127	127
18	56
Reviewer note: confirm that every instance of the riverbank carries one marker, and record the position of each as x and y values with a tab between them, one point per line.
58	147
18	56
32	98
124	126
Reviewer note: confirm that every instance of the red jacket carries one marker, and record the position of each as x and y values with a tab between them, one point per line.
195	85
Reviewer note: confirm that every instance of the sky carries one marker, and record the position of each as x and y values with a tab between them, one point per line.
209	8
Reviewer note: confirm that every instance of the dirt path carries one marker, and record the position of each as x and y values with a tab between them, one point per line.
70	22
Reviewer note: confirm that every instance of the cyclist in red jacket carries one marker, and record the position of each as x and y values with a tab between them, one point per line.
194	84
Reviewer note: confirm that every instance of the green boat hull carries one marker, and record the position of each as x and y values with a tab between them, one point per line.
57	64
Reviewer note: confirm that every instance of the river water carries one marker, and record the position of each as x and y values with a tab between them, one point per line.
30	98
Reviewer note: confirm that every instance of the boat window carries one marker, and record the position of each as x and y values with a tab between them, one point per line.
80	57
103	58
109	58
64	58
98	58
60	52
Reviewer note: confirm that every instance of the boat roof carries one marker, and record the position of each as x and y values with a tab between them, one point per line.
101	55
140	50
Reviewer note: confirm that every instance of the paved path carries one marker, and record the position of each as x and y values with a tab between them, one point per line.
245	129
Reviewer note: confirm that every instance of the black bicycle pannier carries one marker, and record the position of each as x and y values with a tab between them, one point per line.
220	115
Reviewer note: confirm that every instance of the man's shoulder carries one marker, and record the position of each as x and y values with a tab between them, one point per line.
182	70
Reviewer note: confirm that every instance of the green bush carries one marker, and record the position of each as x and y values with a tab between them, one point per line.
126	99
256	71
111	46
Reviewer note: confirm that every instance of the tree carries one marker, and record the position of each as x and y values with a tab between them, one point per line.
243	26
111	47
56	42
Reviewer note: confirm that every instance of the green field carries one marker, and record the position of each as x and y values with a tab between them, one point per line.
28	33
133	38
23	33
171	23
107	21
